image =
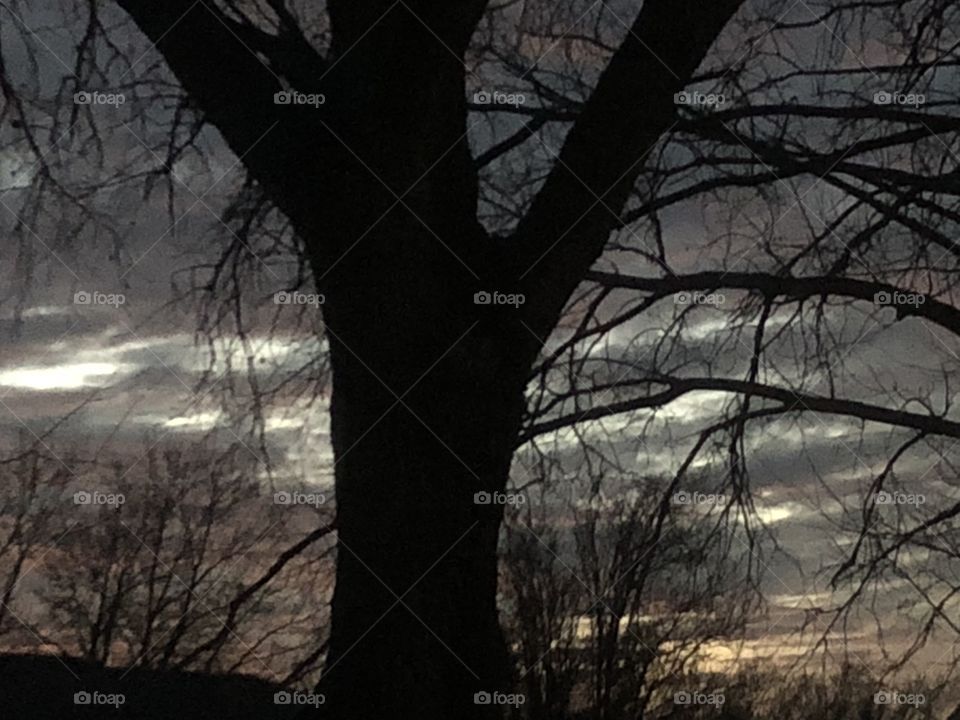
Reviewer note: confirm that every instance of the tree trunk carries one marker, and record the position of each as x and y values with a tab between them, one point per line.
415	626
427	400
427	387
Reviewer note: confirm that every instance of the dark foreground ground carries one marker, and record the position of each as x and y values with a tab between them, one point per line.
42	688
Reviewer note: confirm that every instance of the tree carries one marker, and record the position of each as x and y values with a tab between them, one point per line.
611	602
27	510
380	186
426	407
178	576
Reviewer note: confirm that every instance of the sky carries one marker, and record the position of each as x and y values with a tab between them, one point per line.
132	369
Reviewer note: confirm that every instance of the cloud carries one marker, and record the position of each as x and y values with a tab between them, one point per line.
67	376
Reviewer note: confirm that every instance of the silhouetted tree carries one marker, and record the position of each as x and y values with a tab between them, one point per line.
382	197
380	184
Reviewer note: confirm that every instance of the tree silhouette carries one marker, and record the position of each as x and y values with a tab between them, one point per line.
356	122
381	185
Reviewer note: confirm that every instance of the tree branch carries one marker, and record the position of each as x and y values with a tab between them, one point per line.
791	402
632	106
773	286
234	90
242	597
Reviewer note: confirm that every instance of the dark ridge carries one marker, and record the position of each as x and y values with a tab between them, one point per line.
42	687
